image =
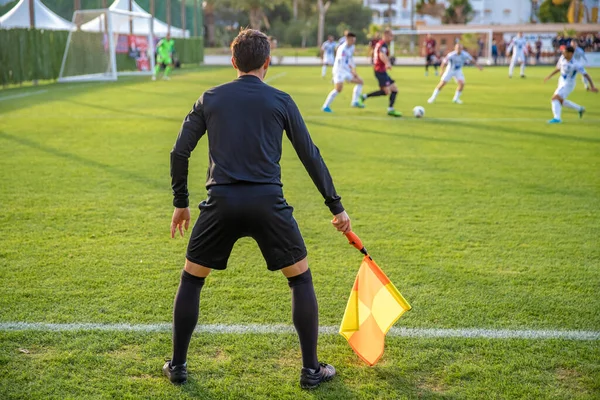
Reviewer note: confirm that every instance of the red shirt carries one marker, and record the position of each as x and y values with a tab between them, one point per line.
430	45
380	48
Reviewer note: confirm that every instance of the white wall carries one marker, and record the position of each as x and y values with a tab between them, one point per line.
487	11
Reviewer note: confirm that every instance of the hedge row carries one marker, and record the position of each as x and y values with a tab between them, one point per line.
33	54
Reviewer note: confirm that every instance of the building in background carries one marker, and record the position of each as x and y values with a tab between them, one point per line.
402	13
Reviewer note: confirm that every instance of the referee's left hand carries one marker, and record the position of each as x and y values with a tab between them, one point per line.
180	220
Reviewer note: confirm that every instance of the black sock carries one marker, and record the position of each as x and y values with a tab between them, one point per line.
185	315
393	99
426	67
376	93
305	314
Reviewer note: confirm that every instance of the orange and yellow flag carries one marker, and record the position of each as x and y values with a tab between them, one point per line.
373	307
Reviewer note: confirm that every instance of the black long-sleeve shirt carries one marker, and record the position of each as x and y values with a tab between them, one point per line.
245	120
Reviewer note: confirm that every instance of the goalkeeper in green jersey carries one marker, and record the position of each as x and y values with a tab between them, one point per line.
164	55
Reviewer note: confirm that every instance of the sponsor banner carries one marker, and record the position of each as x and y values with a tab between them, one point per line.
593	59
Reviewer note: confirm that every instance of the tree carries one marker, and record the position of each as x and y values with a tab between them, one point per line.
552	12
322	8
256	10
458	12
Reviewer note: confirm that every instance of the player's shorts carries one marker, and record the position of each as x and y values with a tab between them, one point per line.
518	58
384	79
429	59
164	59
246	210
457	74
564	90
342	76
328	60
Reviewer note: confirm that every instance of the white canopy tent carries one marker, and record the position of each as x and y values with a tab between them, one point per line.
120	24
18	17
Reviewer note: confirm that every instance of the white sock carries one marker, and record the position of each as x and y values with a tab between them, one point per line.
570	104
356	93
324	71
436	91
556	109
330	98
523	69
457	95
511	68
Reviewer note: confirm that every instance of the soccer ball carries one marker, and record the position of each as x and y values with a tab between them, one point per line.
419	112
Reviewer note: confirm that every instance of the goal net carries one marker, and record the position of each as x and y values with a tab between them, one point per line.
408	44
106	44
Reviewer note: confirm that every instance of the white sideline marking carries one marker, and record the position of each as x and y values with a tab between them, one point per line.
272	78
17	96
327	330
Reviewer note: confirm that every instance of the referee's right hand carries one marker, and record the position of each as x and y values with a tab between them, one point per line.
341	222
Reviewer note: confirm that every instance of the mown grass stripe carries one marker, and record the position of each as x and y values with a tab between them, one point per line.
328	330
20	95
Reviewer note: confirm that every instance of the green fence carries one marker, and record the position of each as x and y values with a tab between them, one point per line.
190	51
30	54
33	54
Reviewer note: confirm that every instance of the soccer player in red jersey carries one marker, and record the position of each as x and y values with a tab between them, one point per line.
429	47
381	64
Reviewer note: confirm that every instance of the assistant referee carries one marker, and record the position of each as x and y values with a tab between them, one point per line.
245	120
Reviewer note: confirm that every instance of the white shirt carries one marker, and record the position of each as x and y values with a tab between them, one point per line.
519	44
568	71
579	55
344	58
456	61
328	49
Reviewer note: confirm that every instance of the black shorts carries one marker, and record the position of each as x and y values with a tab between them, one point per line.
234	211
384	79
429	59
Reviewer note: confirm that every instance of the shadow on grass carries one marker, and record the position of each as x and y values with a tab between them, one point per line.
404	135
118	172
549	131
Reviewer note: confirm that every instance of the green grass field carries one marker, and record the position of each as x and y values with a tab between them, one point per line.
483	216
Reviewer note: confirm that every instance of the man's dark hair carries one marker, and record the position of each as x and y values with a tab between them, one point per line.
250	50
570	49
350	34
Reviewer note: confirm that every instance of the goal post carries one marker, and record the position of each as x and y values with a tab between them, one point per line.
106	44
410	42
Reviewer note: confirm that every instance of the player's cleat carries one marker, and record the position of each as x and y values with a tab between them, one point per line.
327	110
554	121
426	73
394	113
166	78
358	104
581	112
430	100
176	374
363	97
457	101
522	76
311	378
153	77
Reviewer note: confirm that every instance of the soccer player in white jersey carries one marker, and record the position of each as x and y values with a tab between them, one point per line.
328	54
580	57
344	70
568	69
454	62
519	54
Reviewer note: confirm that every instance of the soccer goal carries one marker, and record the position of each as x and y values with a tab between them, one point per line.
478	42
106	44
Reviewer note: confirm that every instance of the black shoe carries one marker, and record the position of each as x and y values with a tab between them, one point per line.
177	374
311	378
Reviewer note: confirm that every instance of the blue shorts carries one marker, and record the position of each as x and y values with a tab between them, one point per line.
384	79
